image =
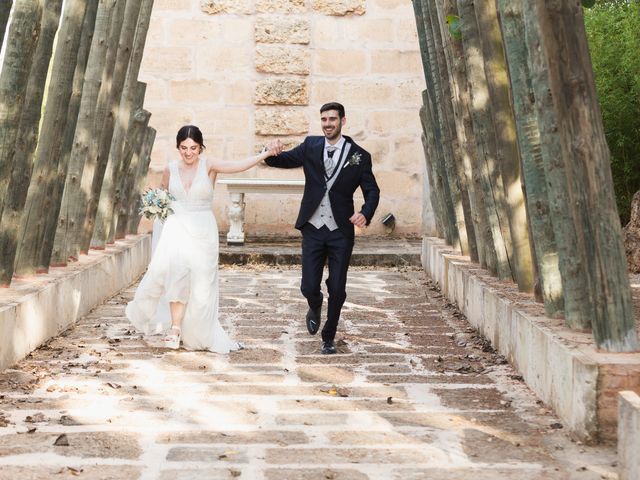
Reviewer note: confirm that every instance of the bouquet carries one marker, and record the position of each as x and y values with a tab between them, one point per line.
156	203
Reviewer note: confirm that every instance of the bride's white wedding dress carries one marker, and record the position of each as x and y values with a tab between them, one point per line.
184	268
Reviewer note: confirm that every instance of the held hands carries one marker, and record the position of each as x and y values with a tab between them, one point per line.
274	147
358	220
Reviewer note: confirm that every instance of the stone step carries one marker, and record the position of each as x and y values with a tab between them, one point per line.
368	251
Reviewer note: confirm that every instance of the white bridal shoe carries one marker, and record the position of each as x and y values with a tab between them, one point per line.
172	338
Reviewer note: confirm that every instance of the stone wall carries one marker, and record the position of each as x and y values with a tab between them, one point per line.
246	71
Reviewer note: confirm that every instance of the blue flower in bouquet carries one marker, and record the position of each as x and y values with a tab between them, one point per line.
156	204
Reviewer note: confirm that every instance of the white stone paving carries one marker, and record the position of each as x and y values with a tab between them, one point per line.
411	395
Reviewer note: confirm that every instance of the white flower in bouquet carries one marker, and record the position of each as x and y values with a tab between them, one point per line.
156	203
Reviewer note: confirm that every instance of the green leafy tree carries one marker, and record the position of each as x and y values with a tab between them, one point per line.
613	29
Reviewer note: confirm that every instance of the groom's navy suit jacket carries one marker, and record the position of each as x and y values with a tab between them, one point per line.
310	155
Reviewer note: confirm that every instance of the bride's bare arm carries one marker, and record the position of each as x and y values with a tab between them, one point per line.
235	166
164	182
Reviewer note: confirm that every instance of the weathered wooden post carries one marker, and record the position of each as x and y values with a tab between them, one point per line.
563	44
431	122
507	154
95	233
443	139
56	186
442	220
131	158
26	141
454	57
53	251
484	128
530	149
435	182
122	29
22	40
140	177
47	153
112	186
571	253
453	155
125	178
74	201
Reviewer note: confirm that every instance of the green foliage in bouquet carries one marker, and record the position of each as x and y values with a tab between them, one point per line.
156	204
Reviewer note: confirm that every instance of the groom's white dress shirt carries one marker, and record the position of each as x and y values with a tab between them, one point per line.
323	214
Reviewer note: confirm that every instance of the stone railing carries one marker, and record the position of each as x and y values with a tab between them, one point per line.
237	187
562	366
37	309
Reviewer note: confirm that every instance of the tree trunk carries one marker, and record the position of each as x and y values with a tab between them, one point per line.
507	153
443	224
56	187
572	256
22	40
435	183
124	123
100	213
74	201
47	153
112	97
131	157
454	55
466	158
475	217
443	157
131	153
140	179
451	146
26	141
5	10
491	180
544	242
584	148
53	250
433	122
433	196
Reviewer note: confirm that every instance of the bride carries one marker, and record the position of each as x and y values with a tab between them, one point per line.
179	292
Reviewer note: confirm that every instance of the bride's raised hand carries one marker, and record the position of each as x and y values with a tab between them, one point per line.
274	147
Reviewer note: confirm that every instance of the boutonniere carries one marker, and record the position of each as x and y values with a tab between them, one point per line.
353	160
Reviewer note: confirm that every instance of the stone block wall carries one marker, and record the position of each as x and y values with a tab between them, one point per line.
247	71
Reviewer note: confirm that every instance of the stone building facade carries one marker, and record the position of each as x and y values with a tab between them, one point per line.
246	71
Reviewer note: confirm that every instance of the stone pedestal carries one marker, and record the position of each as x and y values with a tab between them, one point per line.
237	187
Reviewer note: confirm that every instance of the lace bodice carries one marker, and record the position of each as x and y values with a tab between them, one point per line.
199	195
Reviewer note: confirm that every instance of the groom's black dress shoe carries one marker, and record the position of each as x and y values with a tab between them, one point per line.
313	320
328	348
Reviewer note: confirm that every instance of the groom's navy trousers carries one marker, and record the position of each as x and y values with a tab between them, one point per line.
320	246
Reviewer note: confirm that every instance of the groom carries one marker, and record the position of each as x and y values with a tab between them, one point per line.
334	167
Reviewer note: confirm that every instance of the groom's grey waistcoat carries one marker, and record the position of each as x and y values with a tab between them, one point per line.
324	214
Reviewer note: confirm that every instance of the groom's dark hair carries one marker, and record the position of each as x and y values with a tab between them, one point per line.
333	106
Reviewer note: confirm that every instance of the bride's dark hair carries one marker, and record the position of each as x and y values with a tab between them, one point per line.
192	132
